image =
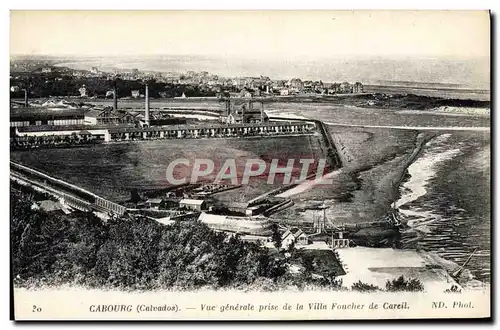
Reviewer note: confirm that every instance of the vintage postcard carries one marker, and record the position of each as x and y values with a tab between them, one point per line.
250	165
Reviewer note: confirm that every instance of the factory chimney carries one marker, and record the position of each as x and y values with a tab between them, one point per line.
115	97
26	98
146	115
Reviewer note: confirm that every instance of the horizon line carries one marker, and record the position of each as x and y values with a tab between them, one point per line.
324	57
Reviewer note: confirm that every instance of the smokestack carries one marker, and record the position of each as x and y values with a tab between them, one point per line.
115	97
243	108
146	116
26	98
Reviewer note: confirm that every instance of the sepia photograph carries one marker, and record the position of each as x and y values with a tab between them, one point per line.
250	165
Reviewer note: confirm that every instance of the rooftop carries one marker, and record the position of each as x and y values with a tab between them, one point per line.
192	201
205	126
25	114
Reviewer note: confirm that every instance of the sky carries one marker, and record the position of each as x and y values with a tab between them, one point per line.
253	34
424	46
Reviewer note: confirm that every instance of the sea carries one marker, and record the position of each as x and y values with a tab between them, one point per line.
447	201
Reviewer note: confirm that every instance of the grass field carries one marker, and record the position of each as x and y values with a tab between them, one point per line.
367	185
113	170
331	113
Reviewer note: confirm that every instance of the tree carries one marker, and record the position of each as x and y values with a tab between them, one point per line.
276	236
131	253
308	263
453	289
134	196
291	249
401	284
364	287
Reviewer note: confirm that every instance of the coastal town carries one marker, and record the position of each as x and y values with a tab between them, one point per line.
47	80
250	164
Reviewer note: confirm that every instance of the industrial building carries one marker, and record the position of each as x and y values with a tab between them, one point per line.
242	111
110	124
20	117
193	204
109	115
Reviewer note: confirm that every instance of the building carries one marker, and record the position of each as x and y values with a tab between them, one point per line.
246	117
333	88
277	84
100	117
15	89
83	91
234	118
294	235
246	93
345	87
193	204
94	70
153	203
46	69
136	93
109	116
357	88
50	206
296	84
20	117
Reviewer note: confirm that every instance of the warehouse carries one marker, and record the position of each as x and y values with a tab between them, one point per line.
20	117
193	204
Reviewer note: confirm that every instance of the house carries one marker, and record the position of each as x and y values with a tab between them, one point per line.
193	204
246	93
334	88
357	87
345	87
296	84
294	235
153	203
136	93
183	96
83	91
254	210
234	118
49	104
278	84
50	206
110	93
46	69
284	92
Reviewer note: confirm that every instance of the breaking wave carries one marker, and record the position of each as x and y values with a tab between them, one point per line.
422	171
